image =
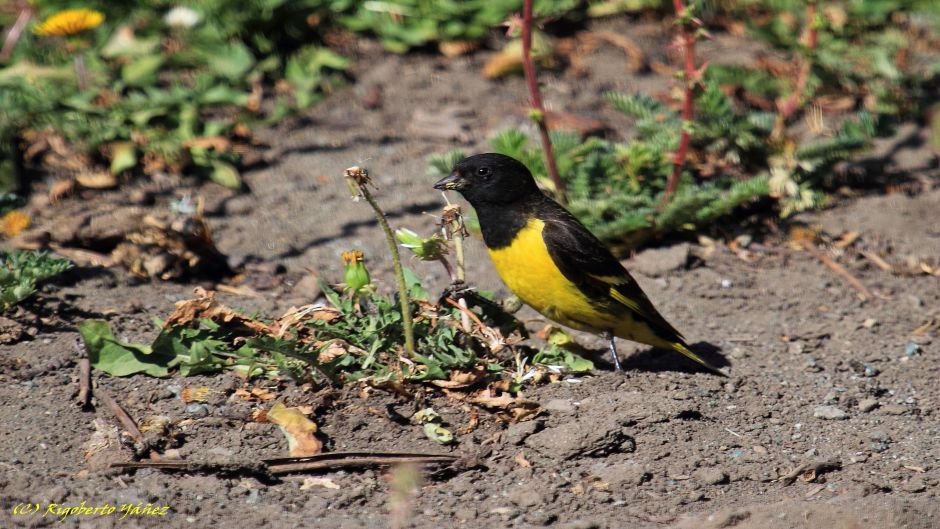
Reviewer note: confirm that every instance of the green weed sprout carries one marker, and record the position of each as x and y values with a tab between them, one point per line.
358	180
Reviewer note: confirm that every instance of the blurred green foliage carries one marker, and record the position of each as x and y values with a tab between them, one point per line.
22	271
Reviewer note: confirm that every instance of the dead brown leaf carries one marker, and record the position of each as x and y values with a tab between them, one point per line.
522	461
189	312
461	379
96	179
299	430
199	394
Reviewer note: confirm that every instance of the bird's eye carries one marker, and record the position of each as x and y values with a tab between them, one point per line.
483	172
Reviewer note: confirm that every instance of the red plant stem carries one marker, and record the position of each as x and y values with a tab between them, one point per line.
528	66
792	103
15	32
688	47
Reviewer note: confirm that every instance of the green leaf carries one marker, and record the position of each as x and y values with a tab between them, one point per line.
118	358
225	174
231	61
438	433
142	71
124	157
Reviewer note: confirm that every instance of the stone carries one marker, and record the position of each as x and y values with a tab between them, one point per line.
830	413
559	406
517	433
894	409
525	497
658	261
619	475
710	476
866	405
592	436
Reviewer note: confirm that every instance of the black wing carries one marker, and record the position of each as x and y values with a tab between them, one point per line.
585	261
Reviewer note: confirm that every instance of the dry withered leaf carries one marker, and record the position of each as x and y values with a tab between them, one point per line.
219	143
103	446
522	461
256	394
198	394
171	249
516	408
455	48
311	482
461	379
96	179
297	428
297	317
190	311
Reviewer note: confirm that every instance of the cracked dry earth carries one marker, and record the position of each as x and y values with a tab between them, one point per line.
829	417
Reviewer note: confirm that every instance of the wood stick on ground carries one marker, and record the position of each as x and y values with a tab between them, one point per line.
126	421
863	291
878	261
288	465
815	469
84	383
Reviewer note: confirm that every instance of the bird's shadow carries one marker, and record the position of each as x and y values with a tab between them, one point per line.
656	360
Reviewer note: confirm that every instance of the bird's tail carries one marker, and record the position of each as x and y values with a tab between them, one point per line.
682	348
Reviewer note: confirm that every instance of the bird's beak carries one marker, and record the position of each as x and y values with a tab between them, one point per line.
453	181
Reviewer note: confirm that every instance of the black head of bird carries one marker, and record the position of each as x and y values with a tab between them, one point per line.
490	178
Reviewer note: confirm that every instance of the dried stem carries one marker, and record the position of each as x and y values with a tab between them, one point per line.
359	179
84	383
810	39
687	36
453	222
535	99
140	443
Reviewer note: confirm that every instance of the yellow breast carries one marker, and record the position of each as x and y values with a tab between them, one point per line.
529	271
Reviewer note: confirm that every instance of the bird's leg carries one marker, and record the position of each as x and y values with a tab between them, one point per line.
613	350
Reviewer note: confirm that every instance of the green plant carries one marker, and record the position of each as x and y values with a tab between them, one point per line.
22	271
617	189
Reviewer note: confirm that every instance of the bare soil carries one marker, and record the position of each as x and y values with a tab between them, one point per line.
817	375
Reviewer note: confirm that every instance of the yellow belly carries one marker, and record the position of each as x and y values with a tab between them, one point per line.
528	270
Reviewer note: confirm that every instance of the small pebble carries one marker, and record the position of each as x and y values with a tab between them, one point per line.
726	283
197	409
879	435
559	406
911	349
915	484
710	476
866	405
830	413
871	371
894	409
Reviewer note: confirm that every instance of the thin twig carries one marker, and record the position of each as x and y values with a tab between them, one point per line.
538	110
837	268
84	383
687	37
287	465
816	468
126	421
879	262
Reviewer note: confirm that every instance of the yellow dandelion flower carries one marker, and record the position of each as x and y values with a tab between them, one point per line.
69	22
13	223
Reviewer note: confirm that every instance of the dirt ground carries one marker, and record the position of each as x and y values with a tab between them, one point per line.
818	377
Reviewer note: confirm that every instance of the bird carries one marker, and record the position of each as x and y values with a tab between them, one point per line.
553	263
